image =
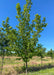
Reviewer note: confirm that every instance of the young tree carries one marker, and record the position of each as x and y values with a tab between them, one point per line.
41	52
28	36
3	44
51	54
24	40
10	35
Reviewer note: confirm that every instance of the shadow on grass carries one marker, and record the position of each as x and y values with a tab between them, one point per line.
19	70
33	69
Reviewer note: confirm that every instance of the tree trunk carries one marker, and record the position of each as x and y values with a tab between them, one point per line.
52	60
2	64
26	68
41	61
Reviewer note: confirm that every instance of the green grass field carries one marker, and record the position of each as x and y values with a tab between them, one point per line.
42	72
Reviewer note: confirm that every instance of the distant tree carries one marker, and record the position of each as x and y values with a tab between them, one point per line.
24	40
51	54
40	51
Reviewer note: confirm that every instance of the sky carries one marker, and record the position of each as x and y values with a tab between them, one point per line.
45	8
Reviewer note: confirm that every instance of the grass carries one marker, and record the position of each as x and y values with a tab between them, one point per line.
42	72
12	65
33	61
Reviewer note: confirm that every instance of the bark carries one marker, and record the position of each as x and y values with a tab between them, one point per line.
52	60
2	64
26	68
41	61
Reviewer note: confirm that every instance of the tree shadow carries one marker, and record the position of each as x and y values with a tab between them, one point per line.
33	69
36	68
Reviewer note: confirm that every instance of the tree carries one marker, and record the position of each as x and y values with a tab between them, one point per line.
40	51
3	44
51	54
24	40
28	36
10	35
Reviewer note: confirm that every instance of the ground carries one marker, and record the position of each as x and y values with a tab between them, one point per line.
13	64
42	72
